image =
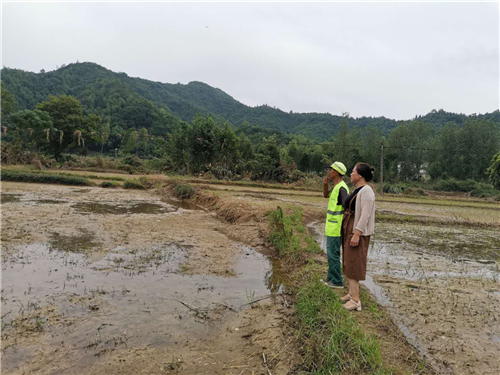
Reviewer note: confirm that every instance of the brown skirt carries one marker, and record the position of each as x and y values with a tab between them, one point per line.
353	258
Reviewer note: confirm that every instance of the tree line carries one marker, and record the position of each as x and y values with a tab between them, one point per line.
411	150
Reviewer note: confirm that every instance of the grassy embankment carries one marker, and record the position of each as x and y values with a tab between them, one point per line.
43	178
65	178
332	339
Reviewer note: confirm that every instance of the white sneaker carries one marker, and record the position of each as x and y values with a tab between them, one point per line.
333	286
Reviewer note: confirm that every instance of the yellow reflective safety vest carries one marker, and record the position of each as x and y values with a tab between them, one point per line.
335	212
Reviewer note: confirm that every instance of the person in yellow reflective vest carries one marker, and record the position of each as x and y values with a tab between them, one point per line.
333	226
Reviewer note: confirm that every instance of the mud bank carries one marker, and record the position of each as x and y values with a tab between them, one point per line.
117	281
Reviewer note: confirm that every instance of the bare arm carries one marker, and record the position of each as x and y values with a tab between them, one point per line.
326	193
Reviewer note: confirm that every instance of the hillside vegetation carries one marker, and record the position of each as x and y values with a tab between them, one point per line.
134	102
85	109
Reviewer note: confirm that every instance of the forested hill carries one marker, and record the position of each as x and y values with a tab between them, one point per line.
135	102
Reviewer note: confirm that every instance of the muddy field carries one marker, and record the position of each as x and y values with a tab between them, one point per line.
442	287
125	282
439	279
117	281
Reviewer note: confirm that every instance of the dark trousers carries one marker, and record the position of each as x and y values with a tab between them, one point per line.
333	254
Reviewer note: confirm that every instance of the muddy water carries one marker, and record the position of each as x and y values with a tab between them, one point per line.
116	281
446	302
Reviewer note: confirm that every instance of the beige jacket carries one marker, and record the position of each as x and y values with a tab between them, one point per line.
364	214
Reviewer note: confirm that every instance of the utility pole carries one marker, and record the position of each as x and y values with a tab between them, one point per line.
381	182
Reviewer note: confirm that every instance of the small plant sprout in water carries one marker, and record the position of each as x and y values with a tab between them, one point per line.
250	295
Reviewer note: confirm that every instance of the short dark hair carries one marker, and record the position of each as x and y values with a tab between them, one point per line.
365	170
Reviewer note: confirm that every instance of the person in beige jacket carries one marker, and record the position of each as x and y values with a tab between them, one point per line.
357	227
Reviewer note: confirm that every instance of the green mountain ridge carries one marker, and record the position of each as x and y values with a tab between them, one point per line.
135	102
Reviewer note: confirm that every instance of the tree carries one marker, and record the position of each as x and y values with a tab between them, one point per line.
69	126
203	145
346	145
129	141
479	141
33	127
143	141
104	135
445	159
228	153
179	148
372	139
8	103
406	153
494	171
246	149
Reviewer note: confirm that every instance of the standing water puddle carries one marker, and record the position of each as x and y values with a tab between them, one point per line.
57	297
117	209
131	297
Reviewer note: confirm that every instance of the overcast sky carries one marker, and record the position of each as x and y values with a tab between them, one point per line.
369	59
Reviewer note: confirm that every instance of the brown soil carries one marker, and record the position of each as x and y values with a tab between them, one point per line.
230	341
237	346
458	320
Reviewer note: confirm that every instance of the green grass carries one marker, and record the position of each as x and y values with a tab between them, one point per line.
184	191
389	217
17	176
289	236
332	340
133	184
51	172
214	181
109	184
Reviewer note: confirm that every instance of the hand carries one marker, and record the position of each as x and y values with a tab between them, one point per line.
355	240
326	180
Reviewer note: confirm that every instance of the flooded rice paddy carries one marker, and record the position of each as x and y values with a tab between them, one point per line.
442	288
92	272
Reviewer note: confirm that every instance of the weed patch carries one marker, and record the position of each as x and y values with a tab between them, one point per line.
12	175
109	184
66	174
184	191
133	184
289	236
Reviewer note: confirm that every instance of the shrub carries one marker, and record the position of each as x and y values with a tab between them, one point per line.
147	183
100	162
134	161
184	191
494	171
393	188
161	165
452	184
483	193
414	191
109	184
18	176
14	154
133	184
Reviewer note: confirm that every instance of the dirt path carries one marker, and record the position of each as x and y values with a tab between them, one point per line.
115	281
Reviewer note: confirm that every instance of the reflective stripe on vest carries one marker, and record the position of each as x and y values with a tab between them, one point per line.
335	212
